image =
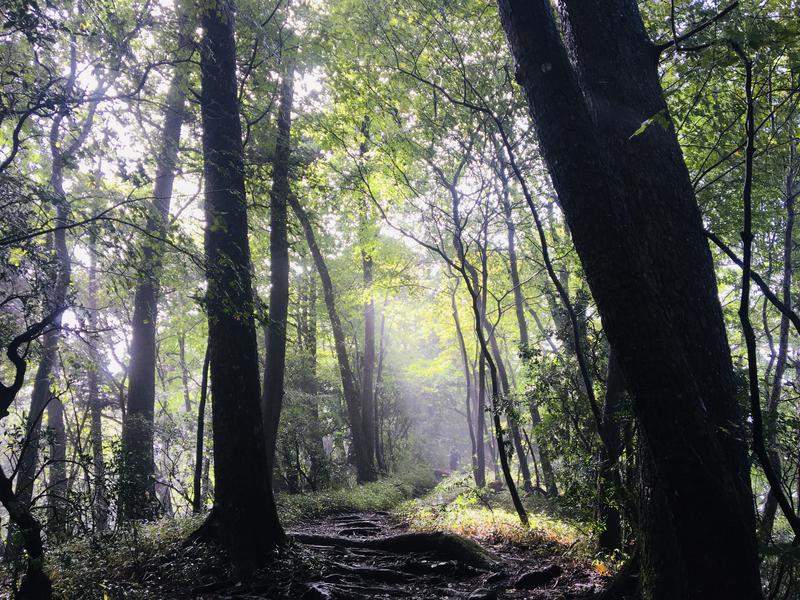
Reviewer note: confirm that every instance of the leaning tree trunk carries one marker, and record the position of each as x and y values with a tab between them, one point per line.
137	496
513	426
275	365
364	465
637	228
244	518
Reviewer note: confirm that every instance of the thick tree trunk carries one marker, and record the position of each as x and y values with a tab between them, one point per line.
364	465
244	518
637	229
137	496
275	366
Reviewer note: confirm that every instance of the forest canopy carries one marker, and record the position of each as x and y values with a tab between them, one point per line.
303	298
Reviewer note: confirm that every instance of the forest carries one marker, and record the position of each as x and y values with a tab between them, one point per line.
358	299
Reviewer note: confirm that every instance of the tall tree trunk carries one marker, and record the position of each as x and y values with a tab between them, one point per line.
519	309
275	366
480	425
380	458
637	228
244	518
100	497
771	504
513	426
368	363
57	483
349	387
42	395
318	460
469	388
197	491
187	402
137	496
609	512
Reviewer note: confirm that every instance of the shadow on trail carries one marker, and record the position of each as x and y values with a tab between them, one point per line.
368	555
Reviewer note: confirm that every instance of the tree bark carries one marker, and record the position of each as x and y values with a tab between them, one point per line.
100	498
364	467
244	518
197	491
637	228
469	388
513	427
771	503
187	402
609	513
275	365
57	483
137	494
368	362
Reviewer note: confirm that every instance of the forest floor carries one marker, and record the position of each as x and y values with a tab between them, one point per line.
373	541
450	543
374	555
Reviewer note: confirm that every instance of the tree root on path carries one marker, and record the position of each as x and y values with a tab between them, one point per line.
445	546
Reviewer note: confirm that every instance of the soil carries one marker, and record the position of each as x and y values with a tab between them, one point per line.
359	556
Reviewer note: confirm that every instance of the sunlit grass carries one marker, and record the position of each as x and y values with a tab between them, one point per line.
458	507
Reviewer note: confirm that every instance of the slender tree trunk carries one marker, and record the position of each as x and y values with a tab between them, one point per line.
480	425
57	484
380	459
368	363
317	458
100	498
771	504
42	395
187	403
137	496
349	388
197	492
608	508
275	366
519	309
636	226
469	388
513	427
244	518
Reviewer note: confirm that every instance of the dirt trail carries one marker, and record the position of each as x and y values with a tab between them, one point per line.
370	555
